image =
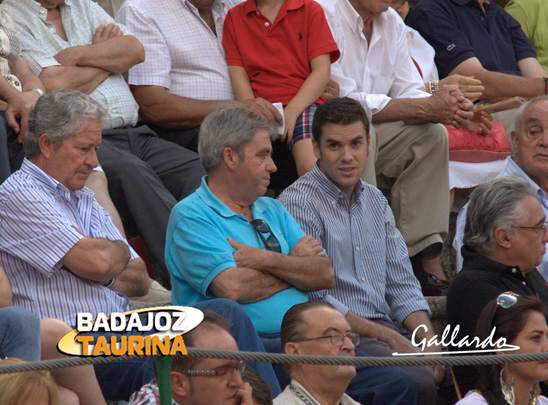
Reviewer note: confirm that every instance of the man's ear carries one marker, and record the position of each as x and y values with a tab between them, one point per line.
368	144
502	237
515	140
180	384
230	157
291	348
316	148
46	145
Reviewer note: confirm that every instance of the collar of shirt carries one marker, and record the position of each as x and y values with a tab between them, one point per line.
331	189
352	17
220	207
514	170
217	7
475	261
250	6
49	183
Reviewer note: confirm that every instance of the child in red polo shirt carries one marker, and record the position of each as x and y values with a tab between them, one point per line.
282	50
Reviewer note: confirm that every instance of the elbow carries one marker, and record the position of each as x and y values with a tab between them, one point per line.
227	289
137	49
329	275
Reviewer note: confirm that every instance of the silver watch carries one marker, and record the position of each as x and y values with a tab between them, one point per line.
38	91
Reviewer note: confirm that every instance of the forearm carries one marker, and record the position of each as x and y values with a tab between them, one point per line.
5	290
134	280
368	328
171	111
245	285
240	83
307	273
413	110
499	86
97	259
116	54
313	87
84	79
419	322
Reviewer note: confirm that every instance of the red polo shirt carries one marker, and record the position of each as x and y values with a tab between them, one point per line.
277	56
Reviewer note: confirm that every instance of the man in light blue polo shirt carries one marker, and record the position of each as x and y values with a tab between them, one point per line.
226	240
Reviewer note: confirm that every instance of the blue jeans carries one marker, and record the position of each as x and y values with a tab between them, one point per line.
372	385
19	334
118	380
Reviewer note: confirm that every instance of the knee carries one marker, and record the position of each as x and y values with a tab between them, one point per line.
67	397
19	320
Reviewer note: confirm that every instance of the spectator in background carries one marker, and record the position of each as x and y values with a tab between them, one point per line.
478	38
504	241
276	66
317	328
530	144
531	14
197	381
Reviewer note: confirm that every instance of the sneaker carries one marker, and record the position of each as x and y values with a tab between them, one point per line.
157	294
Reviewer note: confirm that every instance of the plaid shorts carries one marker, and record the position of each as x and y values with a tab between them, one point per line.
303	126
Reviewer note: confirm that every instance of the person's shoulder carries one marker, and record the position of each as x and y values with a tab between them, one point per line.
472	398
306	188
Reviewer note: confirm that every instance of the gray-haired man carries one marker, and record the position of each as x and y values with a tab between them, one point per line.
504	241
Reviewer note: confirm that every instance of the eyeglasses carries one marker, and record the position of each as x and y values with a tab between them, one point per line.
218	372
542	228
337	339
271	243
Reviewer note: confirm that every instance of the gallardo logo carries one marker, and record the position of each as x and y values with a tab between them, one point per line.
148	332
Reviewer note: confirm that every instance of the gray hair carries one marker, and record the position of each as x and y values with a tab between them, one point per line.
231	127
523	109
493	205
60	114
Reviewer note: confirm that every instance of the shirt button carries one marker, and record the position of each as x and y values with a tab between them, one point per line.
514	270
334	202
357	247
482	18
524	283
258	13
266	24
363	278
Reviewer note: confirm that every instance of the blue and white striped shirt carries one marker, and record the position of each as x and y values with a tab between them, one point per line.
37	215
369	255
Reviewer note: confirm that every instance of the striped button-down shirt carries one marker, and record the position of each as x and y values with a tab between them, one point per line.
511	170
40	44
183	54
369	255
37	220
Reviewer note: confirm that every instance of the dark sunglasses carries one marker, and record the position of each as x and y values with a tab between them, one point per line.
271	242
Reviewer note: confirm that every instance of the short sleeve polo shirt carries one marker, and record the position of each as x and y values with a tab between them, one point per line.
459	30
276	57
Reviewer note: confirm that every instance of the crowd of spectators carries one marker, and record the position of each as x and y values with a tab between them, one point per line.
163	115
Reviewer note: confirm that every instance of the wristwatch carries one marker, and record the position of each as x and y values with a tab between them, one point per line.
38	91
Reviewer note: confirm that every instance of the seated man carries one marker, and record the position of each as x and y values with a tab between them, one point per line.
478	38
368	254
78	46
527	163
226	240
192	381
504	240
317	328
184	76
59	248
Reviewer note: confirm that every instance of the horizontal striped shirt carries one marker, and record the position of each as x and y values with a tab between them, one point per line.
37	220
368	253
40	44
511	170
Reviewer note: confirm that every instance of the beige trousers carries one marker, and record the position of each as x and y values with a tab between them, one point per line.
412	162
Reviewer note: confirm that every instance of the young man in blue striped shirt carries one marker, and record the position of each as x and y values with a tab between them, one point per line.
355	225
